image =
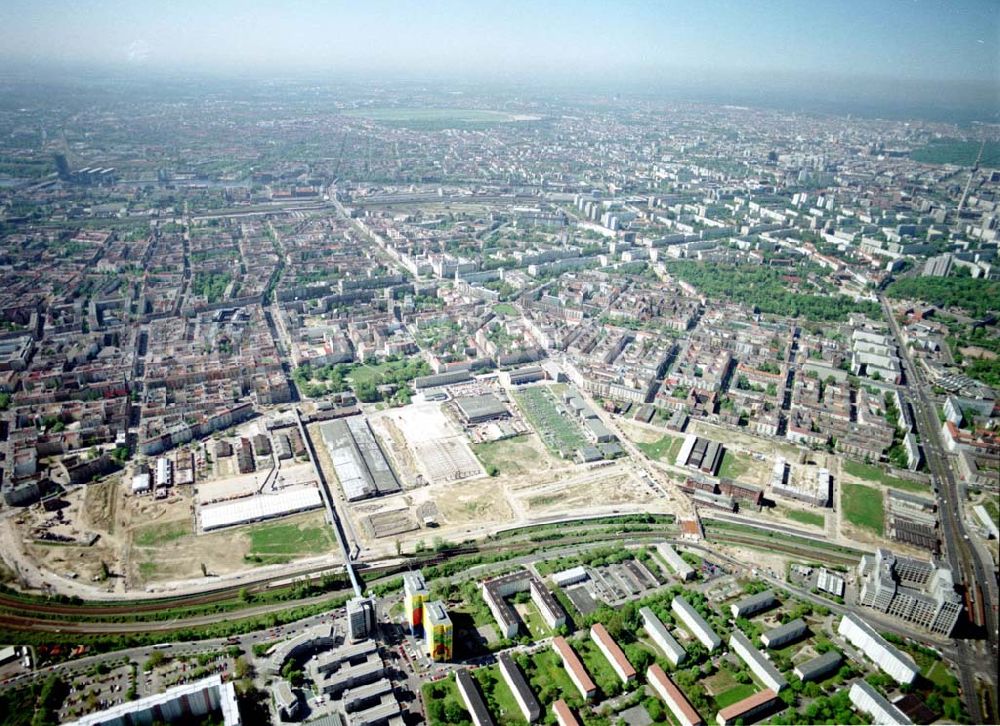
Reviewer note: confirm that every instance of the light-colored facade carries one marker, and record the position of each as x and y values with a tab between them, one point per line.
916	591
696	624
862	636
872	703
661	636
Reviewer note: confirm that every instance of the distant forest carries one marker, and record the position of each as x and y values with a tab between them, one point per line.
953	151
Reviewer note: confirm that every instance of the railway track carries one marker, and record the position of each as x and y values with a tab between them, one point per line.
19	613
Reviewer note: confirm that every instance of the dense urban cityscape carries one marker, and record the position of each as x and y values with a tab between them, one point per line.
398	403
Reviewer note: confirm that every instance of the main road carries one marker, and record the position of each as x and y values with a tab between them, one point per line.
963	559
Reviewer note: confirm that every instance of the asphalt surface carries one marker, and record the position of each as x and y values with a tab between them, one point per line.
963	559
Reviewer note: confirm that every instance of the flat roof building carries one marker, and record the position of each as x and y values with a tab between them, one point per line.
612	652
676	563
784	634
518	685
872	703
496	591
477	409
259	507
915	591
661	636
415	594
754	604
571	576
815	668
756	662
178	704
359	699
892	661
285	700
440	632
695	623
574	667
684	713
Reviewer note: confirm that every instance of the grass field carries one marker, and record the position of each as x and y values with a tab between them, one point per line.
498	696
876	474
665	449
733	466
154	535
505	309
597	666
560	433
864	507
533	620
955	151
508	456
548	679
811	518
281	542
992	509
452	708
733	695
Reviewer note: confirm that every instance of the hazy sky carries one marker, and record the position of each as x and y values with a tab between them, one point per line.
905	39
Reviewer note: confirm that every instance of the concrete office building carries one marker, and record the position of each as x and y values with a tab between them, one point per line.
385	713
518	685
893	662
872	703
180	704
684	713
695	623
916	591
360	618
348	675
661	636
363	698
756	662
285	700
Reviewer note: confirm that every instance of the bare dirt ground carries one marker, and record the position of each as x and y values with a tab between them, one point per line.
532	484
749	442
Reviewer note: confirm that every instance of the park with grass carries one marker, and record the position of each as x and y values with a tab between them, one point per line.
813	519
665	448
876	474
513	456
733	465
863	507
282	542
